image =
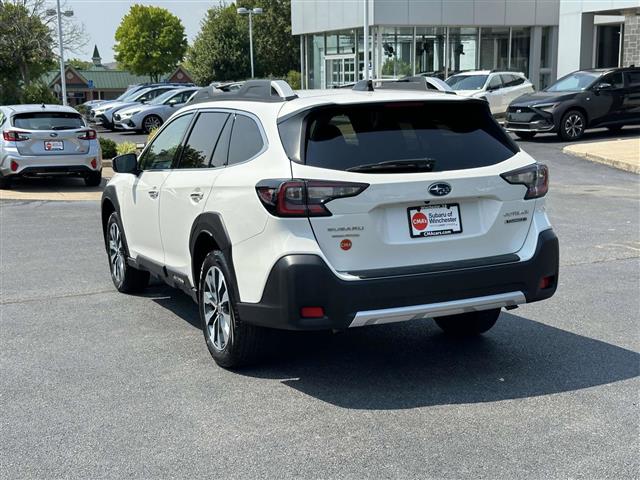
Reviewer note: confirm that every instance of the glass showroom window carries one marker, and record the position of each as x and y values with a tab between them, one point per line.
494	48
520	45
462	49
315	61
546	54
397	55
430	51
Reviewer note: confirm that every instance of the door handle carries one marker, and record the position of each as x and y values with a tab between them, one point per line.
153	193
196	196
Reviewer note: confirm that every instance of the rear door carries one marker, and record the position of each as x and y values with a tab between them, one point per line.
51	134
462	209
185	191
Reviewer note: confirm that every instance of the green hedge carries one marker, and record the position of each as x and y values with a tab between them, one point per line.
109	147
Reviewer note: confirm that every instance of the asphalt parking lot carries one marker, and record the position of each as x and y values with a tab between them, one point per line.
98	384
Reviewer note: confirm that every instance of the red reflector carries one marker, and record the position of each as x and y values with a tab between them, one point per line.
545	282
14	166
94	164
312	312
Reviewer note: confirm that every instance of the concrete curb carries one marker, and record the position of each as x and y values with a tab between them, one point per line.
611	162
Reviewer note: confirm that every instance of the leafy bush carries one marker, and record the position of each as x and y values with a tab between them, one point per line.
152	134
109	147
38	92
126	147
293	78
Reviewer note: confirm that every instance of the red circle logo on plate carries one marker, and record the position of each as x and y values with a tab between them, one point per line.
419	221
345	244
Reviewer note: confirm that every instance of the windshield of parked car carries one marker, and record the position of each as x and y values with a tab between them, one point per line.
139	94
574	82
48	121
467	82
160	99
398	137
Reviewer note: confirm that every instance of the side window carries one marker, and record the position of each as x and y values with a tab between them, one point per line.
246	140
221	152
615	79
204	135
162	151
512	80
495	83
1	118
633	79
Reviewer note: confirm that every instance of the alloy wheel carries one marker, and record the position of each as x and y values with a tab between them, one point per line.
116	253
151	123
217	309
574	125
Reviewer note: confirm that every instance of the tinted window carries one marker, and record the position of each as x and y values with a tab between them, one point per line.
164	146
451	135
511	80
495	82
246	140
48	121
615	79
467	82
221	152
202	140
633	78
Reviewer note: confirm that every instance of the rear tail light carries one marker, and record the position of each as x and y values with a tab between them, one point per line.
535	177
304	198
14	136
88	135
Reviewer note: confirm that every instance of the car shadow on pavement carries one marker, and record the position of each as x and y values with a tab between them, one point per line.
412	364
46	185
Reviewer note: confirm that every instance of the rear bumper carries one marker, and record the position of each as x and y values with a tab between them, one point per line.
298	281
58	165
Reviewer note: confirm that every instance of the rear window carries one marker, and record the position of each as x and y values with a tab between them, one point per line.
446	135
48	121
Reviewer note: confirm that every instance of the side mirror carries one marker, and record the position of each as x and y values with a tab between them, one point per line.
603	86
127	163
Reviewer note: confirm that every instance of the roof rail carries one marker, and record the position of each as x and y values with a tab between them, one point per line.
252	90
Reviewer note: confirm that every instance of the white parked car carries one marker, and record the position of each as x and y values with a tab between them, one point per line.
149	116
332	211
47	140
499	88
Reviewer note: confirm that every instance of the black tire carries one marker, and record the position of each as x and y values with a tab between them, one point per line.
243	340
125	278
5	183
151	122
525	135
572	125
94	179
466	324
615	128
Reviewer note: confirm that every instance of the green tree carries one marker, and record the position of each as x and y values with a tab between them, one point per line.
221	49
79	64
150	41
25	47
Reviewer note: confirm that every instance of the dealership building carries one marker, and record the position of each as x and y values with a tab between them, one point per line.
542	38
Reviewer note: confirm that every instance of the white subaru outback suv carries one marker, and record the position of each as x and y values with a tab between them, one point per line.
331	210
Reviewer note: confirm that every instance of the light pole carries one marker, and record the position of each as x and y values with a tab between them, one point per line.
251	12
57	13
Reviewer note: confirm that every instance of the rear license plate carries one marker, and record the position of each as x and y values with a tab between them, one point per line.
50	145
434	220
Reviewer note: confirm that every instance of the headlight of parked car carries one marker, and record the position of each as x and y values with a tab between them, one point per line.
129	114
547	107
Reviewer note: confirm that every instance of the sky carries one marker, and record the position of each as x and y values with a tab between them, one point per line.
102	17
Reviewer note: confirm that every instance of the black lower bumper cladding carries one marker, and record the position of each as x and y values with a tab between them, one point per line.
298	281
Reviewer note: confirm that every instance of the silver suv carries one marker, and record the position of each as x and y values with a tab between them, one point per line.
43	140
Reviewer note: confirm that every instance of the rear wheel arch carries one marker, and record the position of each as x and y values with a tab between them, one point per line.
208	233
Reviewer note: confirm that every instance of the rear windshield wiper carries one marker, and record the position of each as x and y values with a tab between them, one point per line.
397	166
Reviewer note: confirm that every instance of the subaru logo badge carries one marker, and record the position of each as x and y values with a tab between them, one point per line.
53	134
519	110
439	189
